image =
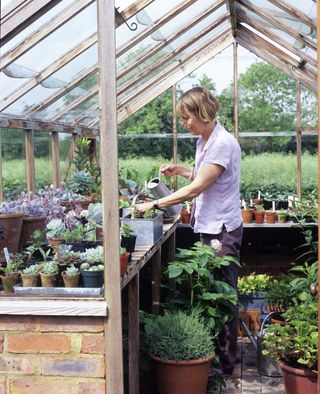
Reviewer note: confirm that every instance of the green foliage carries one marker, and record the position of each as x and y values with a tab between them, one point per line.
307	276
178	336
13	265
123	251
194	272
295	343
126	230
281	294
94	214
252	283
82	182
75	235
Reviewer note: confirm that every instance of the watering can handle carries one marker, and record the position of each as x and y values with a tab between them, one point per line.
264	321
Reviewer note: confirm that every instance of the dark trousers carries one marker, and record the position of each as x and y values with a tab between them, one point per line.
227	339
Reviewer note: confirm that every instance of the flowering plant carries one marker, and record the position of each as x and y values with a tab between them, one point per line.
216	245
9	208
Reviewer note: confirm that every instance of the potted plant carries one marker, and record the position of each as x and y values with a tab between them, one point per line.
246	213
71	276
94	217
185	212
282	215
30	275
92	268
259	213
252	291
124	258
148	226
271	216
11	272
54	230
128	237
34	216
83	183
181	347
11	218
65	256
295	345
48	273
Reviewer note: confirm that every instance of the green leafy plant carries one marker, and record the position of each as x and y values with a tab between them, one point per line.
126	230
250	284
75	235
82	182
307	277
259	207
295	343
194	272
123	251
178	336
281	294
13	265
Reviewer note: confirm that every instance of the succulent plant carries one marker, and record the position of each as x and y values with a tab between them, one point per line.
72	271
32	269
51	267
93	255
94	214
81	182
54	228
9	208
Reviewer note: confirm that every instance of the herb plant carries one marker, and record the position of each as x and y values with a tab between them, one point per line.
178	336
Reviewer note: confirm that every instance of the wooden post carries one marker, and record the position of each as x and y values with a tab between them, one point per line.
70	155
133	336
30	167
109	180
235	90
93	152
156	277
298	139
174	134
56	178
1	174
318	88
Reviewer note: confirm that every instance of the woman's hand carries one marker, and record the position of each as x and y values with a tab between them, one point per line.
146	206
169	169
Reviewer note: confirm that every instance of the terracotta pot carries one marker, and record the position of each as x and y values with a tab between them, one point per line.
271	217
11	224
30	280
54	243
48	280
124	263
247	215
186	376
298	381
274	320
29	225
70	281
259	216
185	216
8	281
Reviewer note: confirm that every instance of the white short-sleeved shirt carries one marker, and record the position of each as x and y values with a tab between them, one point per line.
219	204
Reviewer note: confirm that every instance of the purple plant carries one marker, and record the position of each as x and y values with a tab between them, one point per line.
9	208
32	204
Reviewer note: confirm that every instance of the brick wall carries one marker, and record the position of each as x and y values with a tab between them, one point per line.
52	355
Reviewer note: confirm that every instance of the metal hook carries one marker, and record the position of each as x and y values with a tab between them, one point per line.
131	27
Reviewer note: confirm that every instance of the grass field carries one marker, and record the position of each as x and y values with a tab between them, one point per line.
260	170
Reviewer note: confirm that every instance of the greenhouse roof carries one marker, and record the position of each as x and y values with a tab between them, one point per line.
49	74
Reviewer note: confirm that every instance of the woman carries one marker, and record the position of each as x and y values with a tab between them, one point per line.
215	189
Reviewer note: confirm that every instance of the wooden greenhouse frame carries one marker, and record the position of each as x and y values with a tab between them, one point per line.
272	33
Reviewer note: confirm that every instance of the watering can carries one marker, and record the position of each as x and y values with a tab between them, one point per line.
266	365
159	190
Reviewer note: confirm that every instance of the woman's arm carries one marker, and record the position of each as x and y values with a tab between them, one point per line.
208	174
175	169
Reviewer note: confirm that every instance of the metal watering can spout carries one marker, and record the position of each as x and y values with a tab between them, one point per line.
159	190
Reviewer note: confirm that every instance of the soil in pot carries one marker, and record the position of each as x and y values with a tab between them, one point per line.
92	279
8	281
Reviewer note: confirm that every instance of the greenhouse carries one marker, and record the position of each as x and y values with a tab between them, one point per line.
114	277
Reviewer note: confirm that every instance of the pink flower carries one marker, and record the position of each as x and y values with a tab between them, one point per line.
216	245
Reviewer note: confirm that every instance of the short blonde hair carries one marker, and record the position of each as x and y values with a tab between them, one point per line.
200	102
